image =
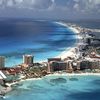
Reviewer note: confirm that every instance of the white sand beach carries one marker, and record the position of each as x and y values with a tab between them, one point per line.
22	80
69	52
75	74
55	74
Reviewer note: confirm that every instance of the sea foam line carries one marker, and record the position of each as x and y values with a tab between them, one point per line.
69	51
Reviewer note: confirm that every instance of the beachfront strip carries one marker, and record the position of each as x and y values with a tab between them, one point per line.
84	58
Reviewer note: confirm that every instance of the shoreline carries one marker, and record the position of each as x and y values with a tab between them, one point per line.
69	51
75	74
55	74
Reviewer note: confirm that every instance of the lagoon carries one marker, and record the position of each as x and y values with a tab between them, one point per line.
71	88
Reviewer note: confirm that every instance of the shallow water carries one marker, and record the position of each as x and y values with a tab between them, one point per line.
83	88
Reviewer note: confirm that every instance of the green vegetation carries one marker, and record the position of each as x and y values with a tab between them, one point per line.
35	71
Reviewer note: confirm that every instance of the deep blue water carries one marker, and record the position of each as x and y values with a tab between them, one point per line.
64	88
93	24
40	38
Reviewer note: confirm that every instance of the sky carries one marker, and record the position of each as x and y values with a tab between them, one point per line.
53	9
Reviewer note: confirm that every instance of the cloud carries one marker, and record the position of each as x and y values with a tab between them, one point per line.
77	6
87	5
1	2
34	4
10	3
42	4
53	8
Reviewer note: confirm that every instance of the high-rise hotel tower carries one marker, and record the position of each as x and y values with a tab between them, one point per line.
28	59
2	62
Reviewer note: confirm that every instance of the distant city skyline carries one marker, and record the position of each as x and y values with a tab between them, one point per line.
50	9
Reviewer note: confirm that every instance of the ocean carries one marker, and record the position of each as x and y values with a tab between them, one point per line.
57	88
42	39
92	24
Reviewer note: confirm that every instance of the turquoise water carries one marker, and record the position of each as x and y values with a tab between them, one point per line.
41	39
58	88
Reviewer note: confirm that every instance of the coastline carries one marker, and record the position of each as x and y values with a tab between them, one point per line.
55	74
75	74
61	54
69	51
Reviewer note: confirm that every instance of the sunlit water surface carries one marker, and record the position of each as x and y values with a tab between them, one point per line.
58	88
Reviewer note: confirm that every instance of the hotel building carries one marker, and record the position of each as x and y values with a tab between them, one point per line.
50	61
28	59
58	66
2	62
